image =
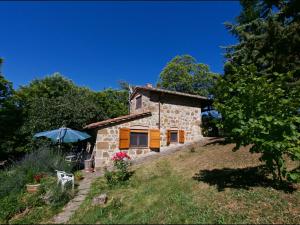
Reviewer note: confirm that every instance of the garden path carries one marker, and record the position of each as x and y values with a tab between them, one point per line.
73	205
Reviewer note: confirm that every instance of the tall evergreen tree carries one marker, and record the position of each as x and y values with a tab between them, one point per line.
269	37
259	94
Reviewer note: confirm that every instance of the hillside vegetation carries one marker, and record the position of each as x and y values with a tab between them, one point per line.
209	184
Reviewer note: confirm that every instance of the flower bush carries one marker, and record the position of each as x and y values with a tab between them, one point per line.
37	178
120	173
119	156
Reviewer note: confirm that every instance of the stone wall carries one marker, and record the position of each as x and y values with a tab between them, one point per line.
168	112
147	103
107	142
179	113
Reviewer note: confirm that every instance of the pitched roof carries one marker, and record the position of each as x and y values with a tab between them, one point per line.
167	92
116	120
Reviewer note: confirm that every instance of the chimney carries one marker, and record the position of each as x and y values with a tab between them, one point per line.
149	85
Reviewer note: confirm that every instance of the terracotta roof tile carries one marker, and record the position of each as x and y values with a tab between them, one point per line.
116	120
166	91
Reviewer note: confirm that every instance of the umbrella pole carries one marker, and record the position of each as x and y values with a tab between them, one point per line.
59	150
59	142
59	147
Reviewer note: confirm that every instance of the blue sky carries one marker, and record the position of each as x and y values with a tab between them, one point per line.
96	44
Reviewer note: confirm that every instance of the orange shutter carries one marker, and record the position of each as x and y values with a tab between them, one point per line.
154	138
124	138
181	136
168	137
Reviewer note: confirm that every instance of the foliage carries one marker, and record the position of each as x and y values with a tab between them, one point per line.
49	194
209	125
10	118
184	74
10	205
36	167
52	194
121	173
261	112
50	103
78	175
44	160
113	103
258	95
6	90
269	36
37	178
55	101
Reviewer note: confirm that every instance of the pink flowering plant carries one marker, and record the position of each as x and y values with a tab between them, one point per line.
120	174
120	156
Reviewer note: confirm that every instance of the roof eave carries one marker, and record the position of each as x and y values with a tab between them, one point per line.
167	92
125	118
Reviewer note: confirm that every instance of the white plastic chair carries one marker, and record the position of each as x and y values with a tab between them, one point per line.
63	178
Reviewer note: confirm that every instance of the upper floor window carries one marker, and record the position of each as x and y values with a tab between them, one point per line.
138	103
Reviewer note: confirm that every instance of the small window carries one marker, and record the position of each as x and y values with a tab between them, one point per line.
138	139
138	103
174	136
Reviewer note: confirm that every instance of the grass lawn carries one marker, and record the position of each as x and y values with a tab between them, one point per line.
40	214
210	185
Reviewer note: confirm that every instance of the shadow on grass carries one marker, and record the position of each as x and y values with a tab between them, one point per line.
130	174
217	140
240	178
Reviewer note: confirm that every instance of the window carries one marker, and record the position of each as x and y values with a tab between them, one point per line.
138	103
174	136
138	139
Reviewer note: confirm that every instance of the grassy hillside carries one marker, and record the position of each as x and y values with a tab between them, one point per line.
209	185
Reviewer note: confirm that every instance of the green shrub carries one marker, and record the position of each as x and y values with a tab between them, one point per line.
10	205
120	173
49	194
52	193
114	177
15	203
13	197
44	160
78	175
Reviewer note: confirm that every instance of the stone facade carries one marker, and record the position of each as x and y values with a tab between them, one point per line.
168	112
107	142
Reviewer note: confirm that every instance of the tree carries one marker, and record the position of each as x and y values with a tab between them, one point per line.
269	37
55	101
10	117
263	114
258	96
184	74
113	103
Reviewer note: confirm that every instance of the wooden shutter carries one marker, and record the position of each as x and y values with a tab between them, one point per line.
124	139
168	137
154	138
181	136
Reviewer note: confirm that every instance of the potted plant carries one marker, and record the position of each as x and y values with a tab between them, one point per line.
31	188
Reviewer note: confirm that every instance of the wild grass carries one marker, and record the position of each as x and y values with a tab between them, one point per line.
168	190
18	206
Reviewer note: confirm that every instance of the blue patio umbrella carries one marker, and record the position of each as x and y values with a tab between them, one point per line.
63	135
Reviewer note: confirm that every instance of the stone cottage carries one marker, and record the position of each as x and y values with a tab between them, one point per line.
158	118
